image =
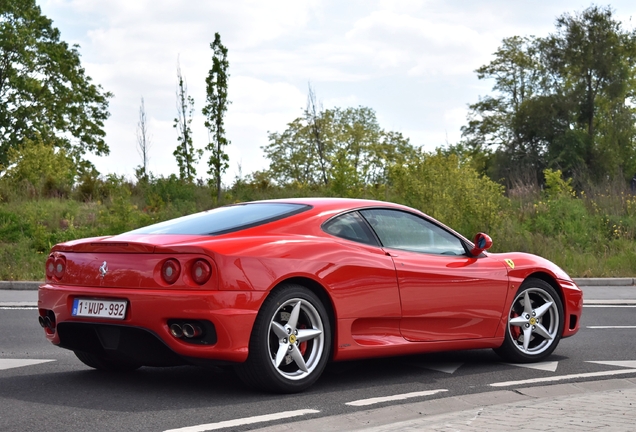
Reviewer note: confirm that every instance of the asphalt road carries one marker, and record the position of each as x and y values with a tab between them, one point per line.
63	394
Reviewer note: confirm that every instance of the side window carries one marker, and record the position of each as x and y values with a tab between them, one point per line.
352	227
401	230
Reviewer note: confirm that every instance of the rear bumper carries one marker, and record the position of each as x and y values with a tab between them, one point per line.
572	307
232	314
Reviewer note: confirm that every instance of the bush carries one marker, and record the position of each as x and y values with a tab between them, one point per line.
452	192
588	233
39	170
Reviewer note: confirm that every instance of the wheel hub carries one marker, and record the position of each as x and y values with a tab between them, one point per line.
533	322
296	339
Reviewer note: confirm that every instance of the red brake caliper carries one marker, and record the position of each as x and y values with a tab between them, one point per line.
303	345
515	331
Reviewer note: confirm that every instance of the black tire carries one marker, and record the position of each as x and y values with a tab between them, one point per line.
286	356
103	364
532	331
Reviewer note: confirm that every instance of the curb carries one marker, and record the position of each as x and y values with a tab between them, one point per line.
33	285
20	285
605	281
415	416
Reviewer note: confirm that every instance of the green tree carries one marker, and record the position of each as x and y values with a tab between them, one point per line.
565	102
292	159
344	150
214	112
185	153
44	170
593	63
493	122
44	91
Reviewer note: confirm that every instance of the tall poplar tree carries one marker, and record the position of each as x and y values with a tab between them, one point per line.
185	152
143	142
214	111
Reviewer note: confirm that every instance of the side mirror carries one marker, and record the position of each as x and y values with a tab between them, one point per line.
482	242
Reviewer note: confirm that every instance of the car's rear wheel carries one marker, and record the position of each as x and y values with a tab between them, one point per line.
290	342
100	363
535	323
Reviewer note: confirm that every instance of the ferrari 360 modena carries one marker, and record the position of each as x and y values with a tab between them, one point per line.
279	288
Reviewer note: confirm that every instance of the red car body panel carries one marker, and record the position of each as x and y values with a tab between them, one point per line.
463	299
383	302
233	315
526	265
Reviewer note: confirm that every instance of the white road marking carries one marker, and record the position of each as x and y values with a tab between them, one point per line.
371	401
609	302
245	421
608	306
611	327
544	366
15	363
564	377
620	363
448	368
18	305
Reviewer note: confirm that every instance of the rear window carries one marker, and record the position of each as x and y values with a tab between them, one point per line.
223	220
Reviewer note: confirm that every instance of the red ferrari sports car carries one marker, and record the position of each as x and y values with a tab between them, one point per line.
279	288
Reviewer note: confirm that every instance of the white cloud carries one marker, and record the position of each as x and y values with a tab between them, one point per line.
411	61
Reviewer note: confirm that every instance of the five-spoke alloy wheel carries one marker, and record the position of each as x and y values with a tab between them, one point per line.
535	323
290	343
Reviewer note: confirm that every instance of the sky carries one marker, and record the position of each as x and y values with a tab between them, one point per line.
412	62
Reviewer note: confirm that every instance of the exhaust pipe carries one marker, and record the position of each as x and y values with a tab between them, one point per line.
176	330
191	330
48	323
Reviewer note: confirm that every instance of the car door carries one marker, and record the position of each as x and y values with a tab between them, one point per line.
445	294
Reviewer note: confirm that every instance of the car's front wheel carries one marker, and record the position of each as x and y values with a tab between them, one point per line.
534	324
290	343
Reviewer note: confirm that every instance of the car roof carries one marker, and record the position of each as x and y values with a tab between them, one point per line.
336	204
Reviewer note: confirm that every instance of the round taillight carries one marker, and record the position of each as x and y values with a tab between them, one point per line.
50	267
170	271
201	271
59	267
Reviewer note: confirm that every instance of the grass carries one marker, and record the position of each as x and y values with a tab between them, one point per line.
588	234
